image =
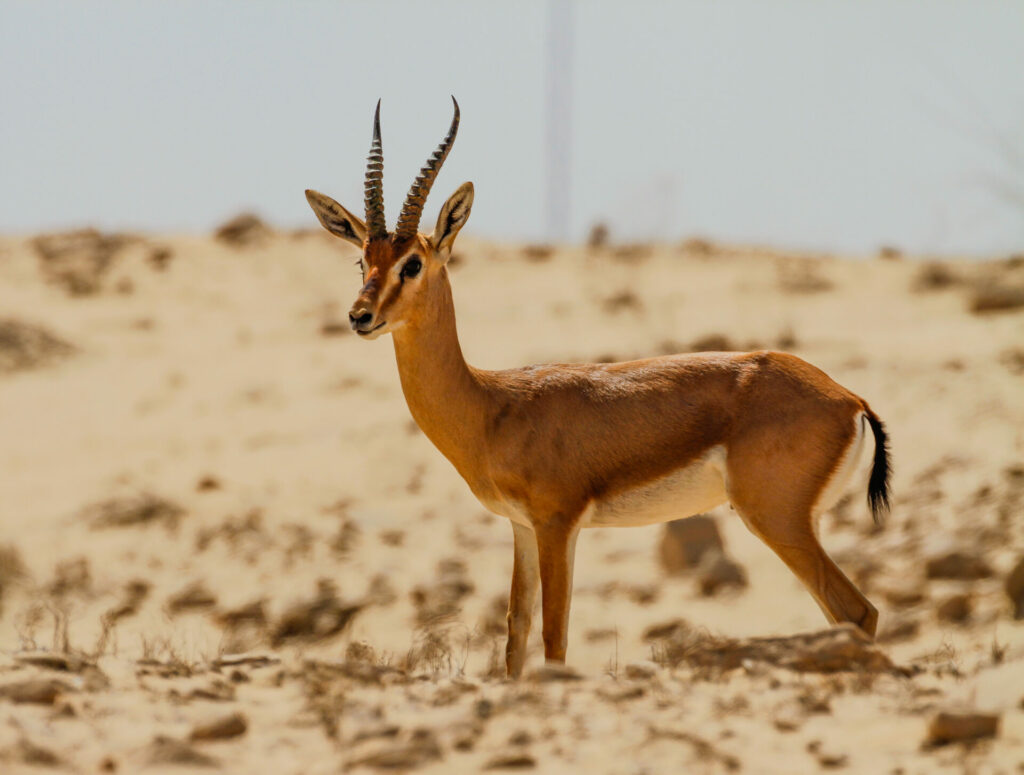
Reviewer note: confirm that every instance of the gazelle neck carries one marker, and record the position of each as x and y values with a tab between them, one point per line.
443	392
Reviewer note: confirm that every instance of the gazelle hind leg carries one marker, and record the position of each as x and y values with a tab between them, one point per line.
792	538
522	598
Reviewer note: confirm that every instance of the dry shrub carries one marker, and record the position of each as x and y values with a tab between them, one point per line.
79	260
131	511
440	650
890	253
934	276
26	346
802	277
992	296
538	253
242	231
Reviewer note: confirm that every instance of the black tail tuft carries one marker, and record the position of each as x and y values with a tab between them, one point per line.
881	470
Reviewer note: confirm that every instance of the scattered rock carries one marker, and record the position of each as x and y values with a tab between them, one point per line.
218	690
947	727
899	628
904	597
512	760
223	728
717	572
27	752
955	608
674	628
130	511
421	748
957	564
25	346
684	542
208	483
324	616
990	297
169	750
554	673
844	647
642	671
192	597
1014	587
35	691
244	230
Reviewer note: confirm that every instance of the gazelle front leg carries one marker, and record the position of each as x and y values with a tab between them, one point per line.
523	597
556	547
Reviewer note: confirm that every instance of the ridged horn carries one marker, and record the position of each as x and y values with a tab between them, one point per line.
412	210
374	186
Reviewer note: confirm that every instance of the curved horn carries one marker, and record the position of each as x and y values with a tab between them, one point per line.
374	187
409	220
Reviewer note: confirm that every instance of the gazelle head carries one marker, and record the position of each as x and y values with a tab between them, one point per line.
401	267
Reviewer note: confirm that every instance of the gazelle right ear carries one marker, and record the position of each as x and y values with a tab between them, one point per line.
336	219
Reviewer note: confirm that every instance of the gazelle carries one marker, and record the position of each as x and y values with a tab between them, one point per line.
560	447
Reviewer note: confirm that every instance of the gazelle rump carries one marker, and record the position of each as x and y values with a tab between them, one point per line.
560	447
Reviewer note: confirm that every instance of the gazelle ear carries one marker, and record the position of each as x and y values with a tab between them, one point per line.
453	217
336	219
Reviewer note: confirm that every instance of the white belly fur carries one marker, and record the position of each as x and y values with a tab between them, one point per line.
692	489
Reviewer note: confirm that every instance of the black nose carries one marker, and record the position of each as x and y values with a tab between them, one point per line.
360	321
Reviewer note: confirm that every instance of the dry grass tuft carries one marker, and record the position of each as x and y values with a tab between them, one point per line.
78	261
131	511
934	276
26	346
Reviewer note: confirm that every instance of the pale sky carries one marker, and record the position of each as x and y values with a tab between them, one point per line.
839	125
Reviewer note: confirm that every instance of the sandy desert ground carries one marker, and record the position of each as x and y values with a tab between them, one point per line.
224	545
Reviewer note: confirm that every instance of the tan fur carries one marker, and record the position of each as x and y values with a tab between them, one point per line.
559	447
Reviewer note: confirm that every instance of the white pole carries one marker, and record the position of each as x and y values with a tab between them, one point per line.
558	109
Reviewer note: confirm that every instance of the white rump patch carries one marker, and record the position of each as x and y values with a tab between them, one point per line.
692	489
833	490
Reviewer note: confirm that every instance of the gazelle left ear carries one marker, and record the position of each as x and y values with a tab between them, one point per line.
452	218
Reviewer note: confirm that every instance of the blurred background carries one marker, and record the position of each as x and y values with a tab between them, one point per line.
839	126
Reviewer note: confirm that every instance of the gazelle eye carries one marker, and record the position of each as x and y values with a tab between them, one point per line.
411	268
